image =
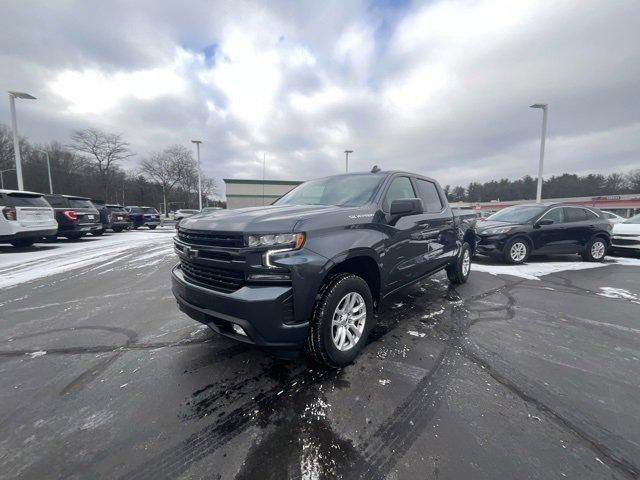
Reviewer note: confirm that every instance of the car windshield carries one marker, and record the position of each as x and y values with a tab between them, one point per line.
635	220
150	210
209	209
517	214
343	190
80	203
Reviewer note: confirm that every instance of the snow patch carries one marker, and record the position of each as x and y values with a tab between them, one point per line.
611	292
535	270
384	381
39	353
416	334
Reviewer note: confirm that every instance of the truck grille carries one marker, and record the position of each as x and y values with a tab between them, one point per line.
220	279
202	237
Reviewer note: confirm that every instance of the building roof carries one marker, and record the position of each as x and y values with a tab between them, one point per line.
261	182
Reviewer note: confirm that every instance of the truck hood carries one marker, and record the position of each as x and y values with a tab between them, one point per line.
269	219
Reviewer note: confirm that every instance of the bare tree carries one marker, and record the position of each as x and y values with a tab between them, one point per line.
103	149
167	168
633	177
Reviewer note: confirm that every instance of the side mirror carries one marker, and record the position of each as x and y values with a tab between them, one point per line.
544	221
406	206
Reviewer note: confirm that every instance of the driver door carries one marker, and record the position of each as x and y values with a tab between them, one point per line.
406	249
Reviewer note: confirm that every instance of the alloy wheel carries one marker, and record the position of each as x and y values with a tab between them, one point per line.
347	323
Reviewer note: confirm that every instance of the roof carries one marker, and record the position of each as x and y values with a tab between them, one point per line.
19	191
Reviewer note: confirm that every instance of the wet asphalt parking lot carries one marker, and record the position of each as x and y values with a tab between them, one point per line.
504	377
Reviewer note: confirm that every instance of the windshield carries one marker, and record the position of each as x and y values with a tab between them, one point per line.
80	203
635	220
209	209
517	214
343	190
150	210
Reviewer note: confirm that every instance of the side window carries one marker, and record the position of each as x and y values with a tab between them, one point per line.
575	214
400	188
554	214
590	214
429	194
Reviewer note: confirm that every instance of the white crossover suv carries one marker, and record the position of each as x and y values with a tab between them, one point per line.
25	217
626	236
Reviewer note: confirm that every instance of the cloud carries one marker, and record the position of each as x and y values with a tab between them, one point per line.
439	87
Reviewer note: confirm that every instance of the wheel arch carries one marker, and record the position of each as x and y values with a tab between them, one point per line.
360	263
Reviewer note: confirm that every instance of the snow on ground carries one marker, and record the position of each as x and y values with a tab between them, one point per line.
535	269
45	259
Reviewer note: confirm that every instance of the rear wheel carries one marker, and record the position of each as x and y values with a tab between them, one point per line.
97	233
117	229
341	321
23	242
152	227
458	273
74	236
517	251
595	250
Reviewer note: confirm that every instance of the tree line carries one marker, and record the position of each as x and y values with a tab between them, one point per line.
557	186
90	165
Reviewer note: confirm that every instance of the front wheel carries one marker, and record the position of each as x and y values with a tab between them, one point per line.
458	273
595	250
341	321
517	251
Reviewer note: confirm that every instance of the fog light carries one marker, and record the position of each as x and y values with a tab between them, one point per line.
239	330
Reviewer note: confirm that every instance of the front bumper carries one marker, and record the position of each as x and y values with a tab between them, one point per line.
490	244
627	242
260	310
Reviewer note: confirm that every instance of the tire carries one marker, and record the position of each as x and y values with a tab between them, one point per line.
321	346
459	272
517	251
97	233
152	227
595	250
117	229
74	236
23	243
135	227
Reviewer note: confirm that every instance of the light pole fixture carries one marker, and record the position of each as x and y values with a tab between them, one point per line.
346	158
48	169
2	176
198	142
14	125
545	109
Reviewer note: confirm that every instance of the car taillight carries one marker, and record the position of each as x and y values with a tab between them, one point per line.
70	214
10	213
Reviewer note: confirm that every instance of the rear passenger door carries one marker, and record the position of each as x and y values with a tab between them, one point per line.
437	225
580	223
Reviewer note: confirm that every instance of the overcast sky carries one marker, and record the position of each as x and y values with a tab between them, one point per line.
441	87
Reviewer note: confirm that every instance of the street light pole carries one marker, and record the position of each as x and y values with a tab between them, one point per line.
14	126
2	176
346	158
545	109
198	142
48	170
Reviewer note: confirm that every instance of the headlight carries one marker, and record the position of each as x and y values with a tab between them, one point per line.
278	240
496	231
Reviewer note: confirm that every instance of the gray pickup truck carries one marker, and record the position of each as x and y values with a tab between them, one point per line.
309	270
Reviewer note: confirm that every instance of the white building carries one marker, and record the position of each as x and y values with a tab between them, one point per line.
254	193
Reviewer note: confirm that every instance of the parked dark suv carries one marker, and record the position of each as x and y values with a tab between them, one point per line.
546	228
144	216
76	216
118	218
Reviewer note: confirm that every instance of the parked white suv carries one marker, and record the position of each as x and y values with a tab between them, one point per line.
25	217
626	236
